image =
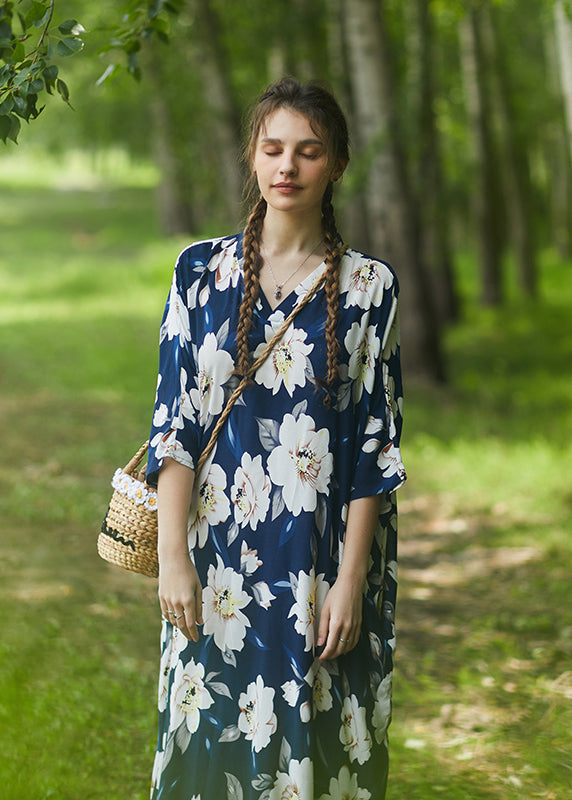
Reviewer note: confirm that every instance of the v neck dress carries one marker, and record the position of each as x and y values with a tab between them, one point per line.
249	712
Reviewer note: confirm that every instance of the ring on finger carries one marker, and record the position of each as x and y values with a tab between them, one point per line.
344	641
178	616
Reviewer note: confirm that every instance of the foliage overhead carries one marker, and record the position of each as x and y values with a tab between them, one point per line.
32	41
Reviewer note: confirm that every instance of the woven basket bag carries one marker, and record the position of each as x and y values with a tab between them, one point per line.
128	536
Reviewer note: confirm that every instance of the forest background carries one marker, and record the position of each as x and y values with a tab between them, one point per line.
461	115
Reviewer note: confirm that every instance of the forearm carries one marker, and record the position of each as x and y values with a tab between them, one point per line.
360	527
174	490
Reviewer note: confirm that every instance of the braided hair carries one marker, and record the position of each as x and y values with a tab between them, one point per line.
325	116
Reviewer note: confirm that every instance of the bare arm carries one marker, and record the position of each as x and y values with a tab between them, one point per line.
341	614
179	585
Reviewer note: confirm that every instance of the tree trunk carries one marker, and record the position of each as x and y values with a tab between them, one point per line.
434	235
564	46
514	163
486	194
219	98
173	193
390	212
352	219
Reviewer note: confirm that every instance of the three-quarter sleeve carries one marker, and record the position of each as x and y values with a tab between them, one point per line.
379	467
175	430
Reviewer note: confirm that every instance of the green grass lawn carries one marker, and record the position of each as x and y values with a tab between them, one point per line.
484	675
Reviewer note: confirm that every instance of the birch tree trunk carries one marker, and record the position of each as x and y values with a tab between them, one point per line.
434	236
563	25
514	163
219	99
486	193
389	209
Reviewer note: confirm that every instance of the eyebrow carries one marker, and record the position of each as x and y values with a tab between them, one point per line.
303	143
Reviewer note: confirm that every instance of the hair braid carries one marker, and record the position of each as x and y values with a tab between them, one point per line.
334	252
251	269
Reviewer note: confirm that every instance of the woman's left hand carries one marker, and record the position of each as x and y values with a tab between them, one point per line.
340	619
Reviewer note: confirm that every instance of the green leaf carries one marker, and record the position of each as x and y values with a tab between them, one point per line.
50	73
71	26
22	76
20	106
9	128
19	52
133	65
36	14
63	90
7	105
154	8
36	86
39	23
69	46
5	127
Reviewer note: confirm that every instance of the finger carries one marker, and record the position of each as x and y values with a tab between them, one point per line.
199	606
324	625
187	624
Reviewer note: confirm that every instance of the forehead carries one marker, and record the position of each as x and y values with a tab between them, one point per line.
287	125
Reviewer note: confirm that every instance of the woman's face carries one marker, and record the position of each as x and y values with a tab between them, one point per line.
292	164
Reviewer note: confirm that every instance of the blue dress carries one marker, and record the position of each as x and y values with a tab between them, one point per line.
249	712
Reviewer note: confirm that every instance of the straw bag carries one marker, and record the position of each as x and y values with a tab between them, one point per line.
128	536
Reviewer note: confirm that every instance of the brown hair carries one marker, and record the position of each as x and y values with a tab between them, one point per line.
325	116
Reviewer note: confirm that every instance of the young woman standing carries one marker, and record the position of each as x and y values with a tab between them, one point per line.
283	545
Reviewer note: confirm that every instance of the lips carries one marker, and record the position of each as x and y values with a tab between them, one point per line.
286	187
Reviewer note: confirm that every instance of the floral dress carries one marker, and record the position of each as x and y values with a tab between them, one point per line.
249	712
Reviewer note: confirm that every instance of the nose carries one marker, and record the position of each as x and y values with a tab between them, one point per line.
288	165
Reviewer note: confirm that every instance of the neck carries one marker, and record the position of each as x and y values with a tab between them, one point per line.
291	233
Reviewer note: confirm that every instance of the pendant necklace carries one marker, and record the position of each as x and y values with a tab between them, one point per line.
278	286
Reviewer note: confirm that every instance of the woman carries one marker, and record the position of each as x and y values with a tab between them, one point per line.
287	558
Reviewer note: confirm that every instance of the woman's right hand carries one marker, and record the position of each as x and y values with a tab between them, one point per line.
180	591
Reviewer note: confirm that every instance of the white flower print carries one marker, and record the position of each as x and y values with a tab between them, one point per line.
223	599
302	464
286	365
345	787
363	345
210	505
310	591
296	784
354	734
214	369
249	561
188	695
166	444
177	319
162	758
389	461
175	643
250	492
290	692
365	283
227	269
186	410
160	416
257	719
305	712
319	679
382	709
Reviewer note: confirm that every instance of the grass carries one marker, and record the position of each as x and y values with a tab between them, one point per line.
483	685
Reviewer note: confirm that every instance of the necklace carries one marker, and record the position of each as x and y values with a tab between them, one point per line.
278	286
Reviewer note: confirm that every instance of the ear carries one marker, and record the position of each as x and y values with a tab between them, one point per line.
339	169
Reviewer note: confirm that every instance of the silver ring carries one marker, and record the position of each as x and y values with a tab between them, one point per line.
345	641
177	616
170	612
